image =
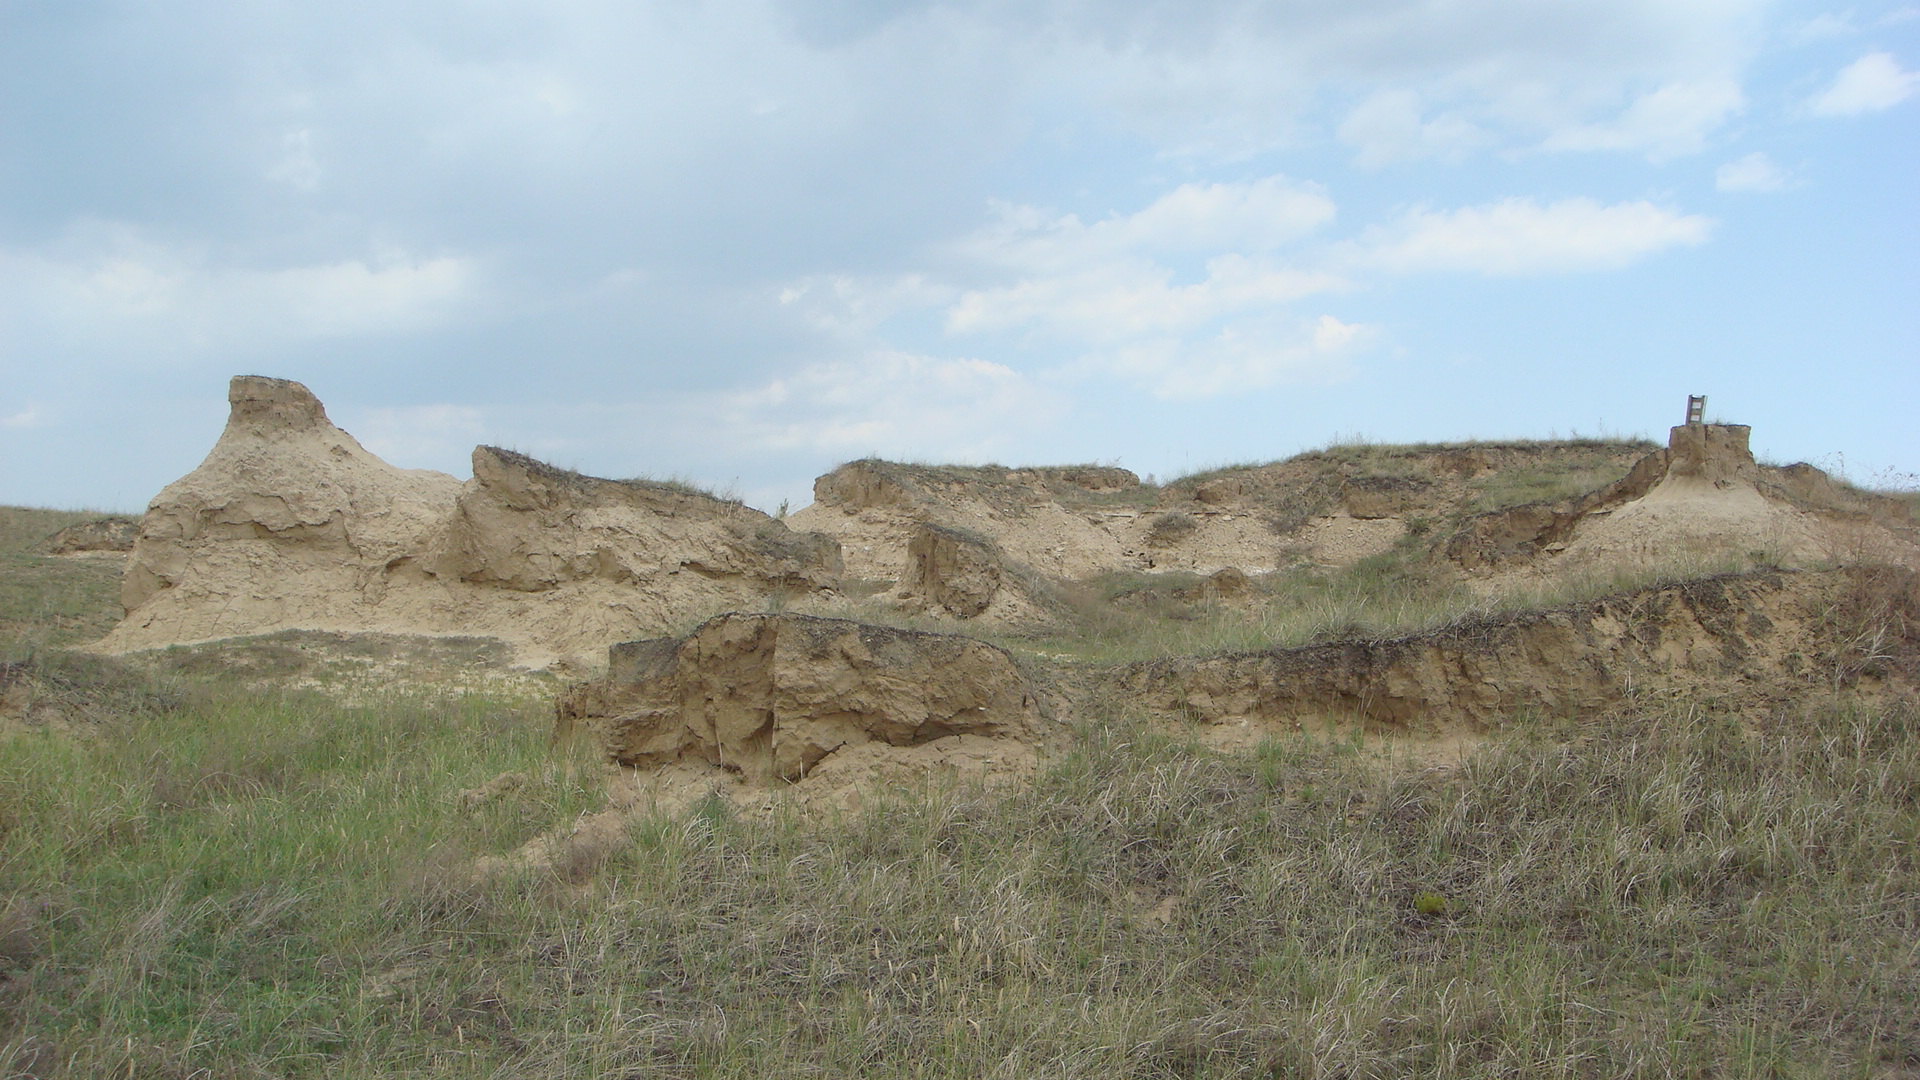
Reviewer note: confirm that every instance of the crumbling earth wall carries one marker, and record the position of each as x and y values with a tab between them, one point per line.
290	523
772	696
1759	637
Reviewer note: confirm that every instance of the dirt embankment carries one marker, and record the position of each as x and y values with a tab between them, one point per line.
1755	638
290	523
762	702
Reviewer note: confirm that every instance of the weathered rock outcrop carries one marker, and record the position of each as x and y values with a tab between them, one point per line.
1760	636
773	696
291	524
1329	508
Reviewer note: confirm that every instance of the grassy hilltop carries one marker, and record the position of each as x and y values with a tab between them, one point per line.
259	860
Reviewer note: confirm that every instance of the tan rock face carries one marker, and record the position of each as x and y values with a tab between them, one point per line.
775	696
107	534
291	524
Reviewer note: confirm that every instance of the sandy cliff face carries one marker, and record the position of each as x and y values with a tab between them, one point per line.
291	524
522	525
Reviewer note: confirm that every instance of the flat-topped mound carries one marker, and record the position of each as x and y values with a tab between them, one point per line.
1327	508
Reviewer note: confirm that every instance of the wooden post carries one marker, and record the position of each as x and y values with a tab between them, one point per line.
1696	409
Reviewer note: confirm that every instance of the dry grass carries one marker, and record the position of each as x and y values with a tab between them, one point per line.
1657	895
246	882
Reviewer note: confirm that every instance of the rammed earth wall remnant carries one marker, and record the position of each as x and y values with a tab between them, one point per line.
772	695
290	523
1758	636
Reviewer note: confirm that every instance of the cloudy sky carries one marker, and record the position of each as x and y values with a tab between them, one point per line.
740	243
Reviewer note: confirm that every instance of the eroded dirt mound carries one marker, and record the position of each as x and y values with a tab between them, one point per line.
1329	508
1755	638
776	697
291	524
1702	497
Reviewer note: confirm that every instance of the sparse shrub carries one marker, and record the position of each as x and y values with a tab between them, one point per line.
1170	528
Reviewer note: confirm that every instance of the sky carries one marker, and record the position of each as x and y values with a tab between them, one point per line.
741	243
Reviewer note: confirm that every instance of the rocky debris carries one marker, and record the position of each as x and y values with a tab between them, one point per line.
107	534
1230	583
290	523
1759	636
773	696
1371	497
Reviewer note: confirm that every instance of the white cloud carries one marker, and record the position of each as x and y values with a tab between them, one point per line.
1874	82
888	402
1672	121
296	166
440	436
1826	26
1257	216
1254	216
1227	81
1755	172
1249	355
1133	297
1389	127
108	282
848	305
1521	236
1120	277
26	418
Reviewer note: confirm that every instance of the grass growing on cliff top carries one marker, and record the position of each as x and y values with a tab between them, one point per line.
260	885
1127	617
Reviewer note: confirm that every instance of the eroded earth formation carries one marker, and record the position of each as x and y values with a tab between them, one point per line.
719	639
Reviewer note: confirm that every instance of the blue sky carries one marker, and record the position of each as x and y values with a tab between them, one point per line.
742	243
